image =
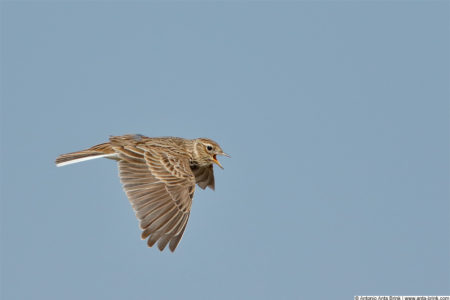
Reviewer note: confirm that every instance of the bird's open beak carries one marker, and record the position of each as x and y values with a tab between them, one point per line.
217	162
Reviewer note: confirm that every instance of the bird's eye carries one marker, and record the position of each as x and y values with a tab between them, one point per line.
209	147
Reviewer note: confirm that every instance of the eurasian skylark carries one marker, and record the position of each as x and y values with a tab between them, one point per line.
159	177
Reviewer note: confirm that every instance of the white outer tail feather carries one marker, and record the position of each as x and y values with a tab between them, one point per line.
77	160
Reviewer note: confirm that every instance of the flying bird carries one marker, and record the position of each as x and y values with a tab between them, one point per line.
159	177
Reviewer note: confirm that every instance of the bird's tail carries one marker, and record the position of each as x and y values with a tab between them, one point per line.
102	150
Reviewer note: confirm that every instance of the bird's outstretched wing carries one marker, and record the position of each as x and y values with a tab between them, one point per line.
160	185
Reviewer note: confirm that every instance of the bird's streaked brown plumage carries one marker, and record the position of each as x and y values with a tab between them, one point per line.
159	177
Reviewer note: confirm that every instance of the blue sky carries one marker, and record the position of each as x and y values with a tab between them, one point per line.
336	115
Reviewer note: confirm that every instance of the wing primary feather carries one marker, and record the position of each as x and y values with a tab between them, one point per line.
158	222
174	242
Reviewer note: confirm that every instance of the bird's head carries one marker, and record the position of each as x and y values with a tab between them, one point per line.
206	151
